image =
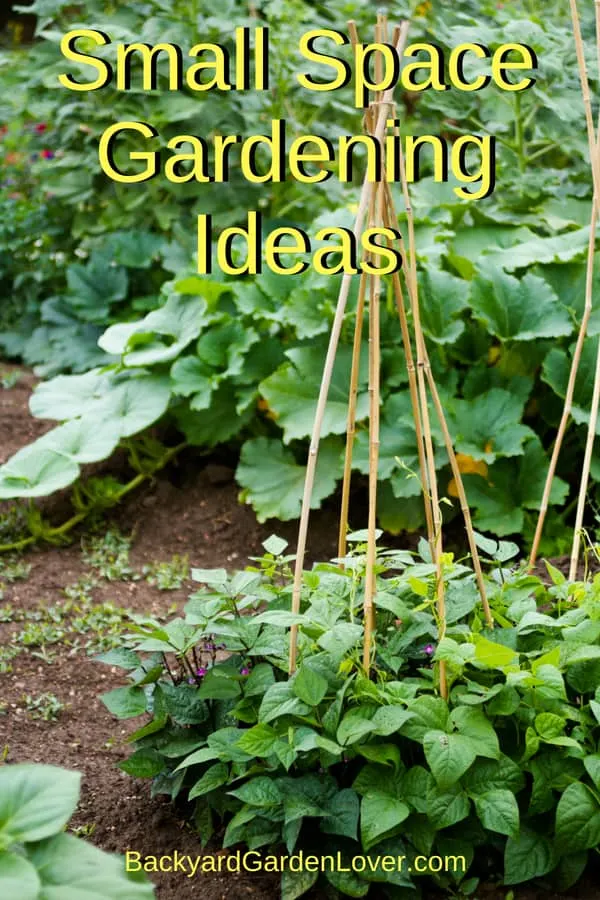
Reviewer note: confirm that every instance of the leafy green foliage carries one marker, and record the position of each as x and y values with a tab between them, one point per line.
331	761
37	859
114	299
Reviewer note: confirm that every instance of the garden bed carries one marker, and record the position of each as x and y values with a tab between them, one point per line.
184	513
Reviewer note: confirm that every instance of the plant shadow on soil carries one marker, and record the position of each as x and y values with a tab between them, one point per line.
193	512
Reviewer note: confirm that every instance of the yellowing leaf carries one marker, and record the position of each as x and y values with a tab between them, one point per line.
494	355
469	466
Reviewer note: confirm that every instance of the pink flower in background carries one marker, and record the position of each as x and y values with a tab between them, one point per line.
40	127
47	154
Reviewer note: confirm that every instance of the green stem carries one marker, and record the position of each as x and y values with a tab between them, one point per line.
60	530
539	153
519	134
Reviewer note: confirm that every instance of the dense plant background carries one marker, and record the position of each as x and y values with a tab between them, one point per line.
237	362
506	772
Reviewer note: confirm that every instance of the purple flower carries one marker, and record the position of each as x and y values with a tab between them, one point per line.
244	670
191	681
208	645
201	672
429	649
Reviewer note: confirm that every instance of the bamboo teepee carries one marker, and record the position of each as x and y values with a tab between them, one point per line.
376	208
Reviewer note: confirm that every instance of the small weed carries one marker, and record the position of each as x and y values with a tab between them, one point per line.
7	654
14	569
105	622
80	592
168	576
83	831
8	613
11	570
47	656
9	380
13	524
36	634
46	706
109	556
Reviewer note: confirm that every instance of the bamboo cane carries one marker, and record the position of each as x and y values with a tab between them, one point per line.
365	195
391	217
374	403
410	272
390	222
595	162
351	421
594	150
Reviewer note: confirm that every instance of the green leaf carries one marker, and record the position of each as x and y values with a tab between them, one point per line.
549	725
135	249
190	376
273	481
213	778
292	392
295	884
69	396
491	654
511	486
214	423
429	713
577	819
592	765
488	427
380	813
161	335
446	808
498	811
217	686
280	700
36	472
125	702
562	248
556	371
144	763
518	310
259	740
275	545
473	723
261	791
527	856
449	756
417	784
134	404
18	878
82	440
36	801
490	775
72	869
354	726
390	719
343	811
442	297
309	686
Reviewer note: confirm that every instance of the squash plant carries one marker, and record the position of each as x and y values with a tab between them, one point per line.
501	285
505	774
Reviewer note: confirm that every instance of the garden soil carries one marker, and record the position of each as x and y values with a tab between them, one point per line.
192	509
